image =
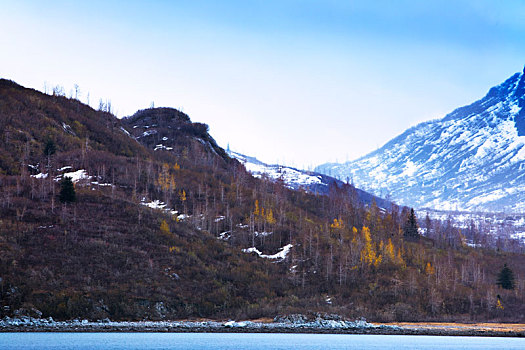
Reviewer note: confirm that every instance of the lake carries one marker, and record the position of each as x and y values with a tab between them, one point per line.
227	341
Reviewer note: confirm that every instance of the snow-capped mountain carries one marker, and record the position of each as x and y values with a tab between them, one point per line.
301	179
472	159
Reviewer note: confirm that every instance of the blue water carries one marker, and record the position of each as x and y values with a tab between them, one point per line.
227	341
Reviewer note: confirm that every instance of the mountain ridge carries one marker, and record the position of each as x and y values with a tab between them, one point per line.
461	161
310	181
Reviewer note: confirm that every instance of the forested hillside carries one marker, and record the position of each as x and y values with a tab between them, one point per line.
163	224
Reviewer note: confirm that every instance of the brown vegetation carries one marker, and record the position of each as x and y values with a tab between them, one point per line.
106	255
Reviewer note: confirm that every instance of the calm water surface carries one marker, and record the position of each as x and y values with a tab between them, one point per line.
227	341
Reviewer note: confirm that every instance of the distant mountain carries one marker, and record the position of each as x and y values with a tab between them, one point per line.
472	159
310	181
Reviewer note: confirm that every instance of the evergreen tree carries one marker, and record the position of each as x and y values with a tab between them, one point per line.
411	229
506	278
67	190
428	225
50	148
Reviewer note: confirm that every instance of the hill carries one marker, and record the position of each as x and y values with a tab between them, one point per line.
166	226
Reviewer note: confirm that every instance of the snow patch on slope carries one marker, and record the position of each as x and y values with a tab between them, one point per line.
292	177
75	176
281	255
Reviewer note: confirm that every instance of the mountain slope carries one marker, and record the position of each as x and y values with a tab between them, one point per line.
307	180
166	226
105	255
472	159
29	120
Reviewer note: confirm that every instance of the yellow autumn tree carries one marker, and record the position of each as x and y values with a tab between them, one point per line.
389	252
269	217
429	269
262	215
164	228
172	182
368	253
165	180
337	224
399	259
182	195
354	237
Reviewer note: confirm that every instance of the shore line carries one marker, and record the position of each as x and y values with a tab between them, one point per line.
28	324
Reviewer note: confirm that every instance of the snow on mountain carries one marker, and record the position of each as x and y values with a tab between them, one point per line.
302	179
472	159
497	224
292	177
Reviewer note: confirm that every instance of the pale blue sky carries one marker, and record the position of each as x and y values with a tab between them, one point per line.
299	82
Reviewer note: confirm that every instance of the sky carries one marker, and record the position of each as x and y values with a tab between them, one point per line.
293	82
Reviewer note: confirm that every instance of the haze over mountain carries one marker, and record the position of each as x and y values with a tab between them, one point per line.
472	159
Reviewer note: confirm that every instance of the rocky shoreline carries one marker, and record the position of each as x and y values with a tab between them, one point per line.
286	325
